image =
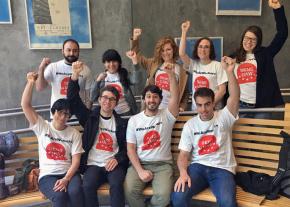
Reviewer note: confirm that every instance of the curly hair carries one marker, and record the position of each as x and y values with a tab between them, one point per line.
212	55
159	46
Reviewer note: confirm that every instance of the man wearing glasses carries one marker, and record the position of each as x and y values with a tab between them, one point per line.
104	142
57	74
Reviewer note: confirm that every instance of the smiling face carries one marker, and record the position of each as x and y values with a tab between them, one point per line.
107	101
167	53
112	66
205	107
249	42
203	50
60	118
152	101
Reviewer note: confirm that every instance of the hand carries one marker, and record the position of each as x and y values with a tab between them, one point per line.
181	182
228	64
60	185
185	26
275	4
44	63
137	33
77	68
31	77
111	164
145	175
169	68
101	76
181	109
133	56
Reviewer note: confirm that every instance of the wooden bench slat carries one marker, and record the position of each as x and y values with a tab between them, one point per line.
263	130
259	138
255	146
184	118
27	139
26	155
256	162
28	147
257	154
265	122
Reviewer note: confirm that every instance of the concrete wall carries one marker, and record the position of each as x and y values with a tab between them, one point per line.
111	24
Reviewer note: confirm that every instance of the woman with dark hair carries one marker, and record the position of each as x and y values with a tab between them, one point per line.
255	70
206	72
165	54
118	77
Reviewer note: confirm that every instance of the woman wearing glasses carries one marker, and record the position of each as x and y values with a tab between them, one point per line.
255	70
206	72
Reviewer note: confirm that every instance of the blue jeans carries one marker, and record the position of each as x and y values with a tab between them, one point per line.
221	182
73	197
255	115
95	176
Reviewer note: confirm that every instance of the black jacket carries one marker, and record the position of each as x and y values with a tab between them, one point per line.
89	120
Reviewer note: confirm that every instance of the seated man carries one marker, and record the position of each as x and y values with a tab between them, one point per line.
208	137
148	145
104	142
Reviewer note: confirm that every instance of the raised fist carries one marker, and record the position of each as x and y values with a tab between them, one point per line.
45	62
275	4
77	67
185	26
137	33
133	56
31	76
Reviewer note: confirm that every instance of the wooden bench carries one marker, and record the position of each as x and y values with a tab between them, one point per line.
256	145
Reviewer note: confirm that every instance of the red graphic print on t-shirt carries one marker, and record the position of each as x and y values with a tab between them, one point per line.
162	81
119	89
247	73
105	142
207	144
151	140
55	151
201	82
64	85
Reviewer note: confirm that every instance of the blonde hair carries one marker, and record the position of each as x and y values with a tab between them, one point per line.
159	46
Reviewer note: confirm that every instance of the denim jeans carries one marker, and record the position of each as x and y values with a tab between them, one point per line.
221	182
95	176
256	115
73	197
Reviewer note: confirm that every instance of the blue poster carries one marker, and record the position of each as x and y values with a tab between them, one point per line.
238	7
50	22
5	12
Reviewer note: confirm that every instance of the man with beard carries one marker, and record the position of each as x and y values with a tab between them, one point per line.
149	146
58	74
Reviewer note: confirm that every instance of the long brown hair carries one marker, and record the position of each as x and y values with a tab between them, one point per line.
212	55
159	46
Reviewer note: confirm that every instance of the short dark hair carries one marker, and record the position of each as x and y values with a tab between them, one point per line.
212	55
111	89
204	92
60	104
152	89
111	55
70	40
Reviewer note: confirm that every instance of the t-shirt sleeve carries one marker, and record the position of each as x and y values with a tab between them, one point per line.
221	74
39	126
169	116
185	143
191	66
77	144
48	73
131	134
227	118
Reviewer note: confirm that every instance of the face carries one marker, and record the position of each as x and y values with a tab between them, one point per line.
167	53
112	66
205	108
249	42
107	101
61	117
152	101
70	52
203	50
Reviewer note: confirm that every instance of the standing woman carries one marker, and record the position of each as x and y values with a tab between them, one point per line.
165	52
255	70
206	72
117	77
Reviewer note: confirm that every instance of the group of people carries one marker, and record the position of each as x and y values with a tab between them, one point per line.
130	154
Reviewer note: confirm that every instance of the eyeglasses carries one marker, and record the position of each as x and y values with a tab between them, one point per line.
110	99
203	46
64	113
249	39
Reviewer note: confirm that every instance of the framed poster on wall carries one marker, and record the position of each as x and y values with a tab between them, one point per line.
190	42
239	7
50	22
5	12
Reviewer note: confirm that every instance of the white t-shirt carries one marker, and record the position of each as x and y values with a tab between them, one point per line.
163	82
58	75
210	76
210	141
151	135
56	147
114	80
246	73
105	146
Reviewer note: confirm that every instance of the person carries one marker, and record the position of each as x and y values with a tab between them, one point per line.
104	141
255	70
207	136
148	145
57	74
117	76
59	148
166	51
206	71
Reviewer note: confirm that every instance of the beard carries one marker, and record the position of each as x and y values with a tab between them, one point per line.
71	59
152	107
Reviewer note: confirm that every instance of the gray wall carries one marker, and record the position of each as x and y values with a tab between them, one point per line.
111	25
